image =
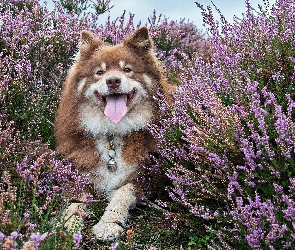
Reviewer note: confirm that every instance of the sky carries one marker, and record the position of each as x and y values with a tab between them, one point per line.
175	9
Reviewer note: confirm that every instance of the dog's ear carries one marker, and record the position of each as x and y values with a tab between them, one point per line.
87	40
139	40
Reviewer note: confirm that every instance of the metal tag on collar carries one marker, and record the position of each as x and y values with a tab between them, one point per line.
112	165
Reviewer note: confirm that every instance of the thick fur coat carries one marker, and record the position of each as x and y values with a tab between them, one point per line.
107	102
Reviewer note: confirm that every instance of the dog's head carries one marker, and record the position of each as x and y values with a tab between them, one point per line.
115	84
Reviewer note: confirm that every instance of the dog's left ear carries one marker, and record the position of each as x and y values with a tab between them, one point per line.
139	40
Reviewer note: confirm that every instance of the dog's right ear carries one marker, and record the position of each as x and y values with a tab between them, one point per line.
87	40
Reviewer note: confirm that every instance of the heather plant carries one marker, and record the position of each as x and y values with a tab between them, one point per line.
228	143
34	190
175	42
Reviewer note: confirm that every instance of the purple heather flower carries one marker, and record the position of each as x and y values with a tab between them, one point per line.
26	214
236	119
161	203
77	239
278	189
36	238
88	199
14	235
255	238
2	236
114	246
31	226
54	213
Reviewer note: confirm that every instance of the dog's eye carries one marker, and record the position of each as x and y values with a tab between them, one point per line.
99	72
127	70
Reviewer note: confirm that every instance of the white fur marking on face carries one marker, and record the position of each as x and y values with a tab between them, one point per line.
122	64
104	66
81	84
99	86
148	81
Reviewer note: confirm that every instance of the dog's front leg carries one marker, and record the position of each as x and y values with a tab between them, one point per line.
110	225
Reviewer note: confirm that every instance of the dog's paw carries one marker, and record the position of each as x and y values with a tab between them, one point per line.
107	230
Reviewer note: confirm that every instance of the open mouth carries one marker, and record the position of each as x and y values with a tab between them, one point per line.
126	97
115	104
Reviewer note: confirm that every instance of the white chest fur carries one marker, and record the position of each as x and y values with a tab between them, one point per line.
104	179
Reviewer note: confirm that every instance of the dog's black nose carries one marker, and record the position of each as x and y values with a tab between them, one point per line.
113	82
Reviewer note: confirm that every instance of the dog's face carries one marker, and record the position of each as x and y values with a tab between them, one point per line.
116	84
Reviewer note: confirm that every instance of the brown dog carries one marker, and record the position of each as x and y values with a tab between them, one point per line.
107	101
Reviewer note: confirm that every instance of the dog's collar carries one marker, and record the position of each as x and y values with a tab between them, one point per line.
112	164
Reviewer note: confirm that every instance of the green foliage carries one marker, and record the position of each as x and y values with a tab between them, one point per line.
201	242
81	6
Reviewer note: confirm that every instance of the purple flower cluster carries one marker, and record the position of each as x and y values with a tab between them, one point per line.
32	64
228	142
175	42
114	246
53	176
77	238
11	241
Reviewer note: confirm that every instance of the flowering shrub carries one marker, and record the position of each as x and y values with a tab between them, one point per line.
229	142
34	185
175	41
34	55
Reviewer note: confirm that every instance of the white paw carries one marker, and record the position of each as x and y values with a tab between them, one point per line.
107	230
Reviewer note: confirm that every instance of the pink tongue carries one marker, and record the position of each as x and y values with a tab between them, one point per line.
116	108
